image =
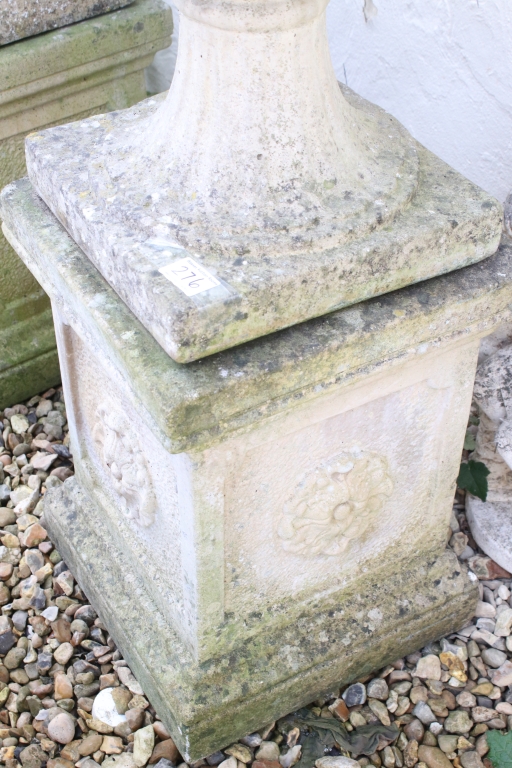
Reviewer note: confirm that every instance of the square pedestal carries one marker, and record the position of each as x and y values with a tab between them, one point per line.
90	67
262	525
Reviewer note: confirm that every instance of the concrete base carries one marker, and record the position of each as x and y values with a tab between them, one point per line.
85	69
208	706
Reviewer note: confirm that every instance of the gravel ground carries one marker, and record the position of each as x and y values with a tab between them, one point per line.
67	697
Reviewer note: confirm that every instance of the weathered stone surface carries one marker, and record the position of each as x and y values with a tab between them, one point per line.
143	744
89	67
268	750
23	18
165	750
62	728
336	762
377	689
491	524
424	713
433	757
257	293
471	760
355	694
503	676
125	760
458	722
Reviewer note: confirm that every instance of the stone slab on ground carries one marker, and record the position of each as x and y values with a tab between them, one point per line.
26	18
126	228
90	67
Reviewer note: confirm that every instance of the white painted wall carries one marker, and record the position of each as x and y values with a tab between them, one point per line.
443	68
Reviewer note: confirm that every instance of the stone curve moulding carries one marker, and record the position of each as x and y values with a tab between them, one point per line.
259	193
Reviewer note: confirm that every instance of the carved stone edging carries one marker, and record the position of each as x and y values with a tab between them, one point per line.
118	447
335	504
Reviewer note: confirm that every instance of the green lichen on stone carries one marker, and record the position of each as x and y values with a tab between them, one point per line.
449	223
33	375
120	32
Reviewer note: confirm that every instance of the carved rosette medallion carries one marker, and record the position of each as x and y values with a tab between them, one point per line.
118	446
335	504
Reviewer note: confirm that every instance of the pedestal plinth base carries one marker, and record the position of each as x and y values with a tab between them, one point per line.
268	523
207	706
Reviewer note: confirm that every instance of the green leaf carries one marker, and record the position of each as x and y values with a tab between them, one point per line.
473	478
500	749
474	420
469	442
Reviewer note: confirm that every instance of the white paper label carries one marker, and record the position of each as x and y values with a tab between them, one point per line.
189	276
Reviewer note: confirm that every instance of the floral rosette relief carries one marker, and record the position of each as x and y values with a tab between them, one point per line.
118	446
335	504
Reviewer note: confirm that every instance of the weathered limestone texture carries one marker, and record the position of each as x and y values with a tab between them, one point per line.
90	67
25	18
491	521
259	193
276	512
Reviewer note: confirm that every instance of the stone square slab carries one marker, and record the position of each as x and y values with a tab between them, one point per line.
26	18
201	295
275	515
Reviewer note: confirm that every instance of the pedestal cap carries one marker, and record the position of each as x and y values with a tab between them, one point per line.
257	194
